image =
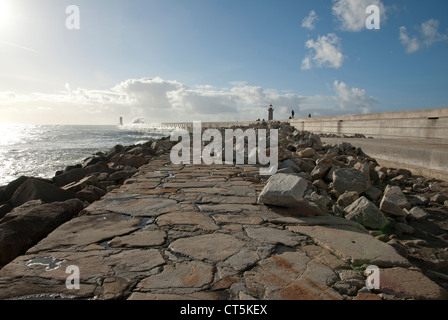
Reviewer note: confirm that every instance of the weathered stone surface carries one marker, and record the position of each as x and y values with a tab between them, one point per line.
107	273
410	284
390	208
70	176
273	235
366	213
90	194
321	169
193	274
417	213
347	198
394	195
81	184
350	179
127	160
373	193
290	276
147	237
35	189
212	247
86	230
187	218
284	190
353	245
236	218
145	207
23	231
307	153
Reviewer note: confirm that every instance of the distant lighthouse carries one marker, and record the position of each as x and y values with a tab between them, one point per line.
271	113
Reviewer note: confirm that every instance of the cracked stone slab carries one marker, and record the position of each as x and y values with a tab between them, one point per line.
274	235
145	207
291	276
410	284
213	247
86	230
353	245
317	221
187	218
146	237
20	278
190	274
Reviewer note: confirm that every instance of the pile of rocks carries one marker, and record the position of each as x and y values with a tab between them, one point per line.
342	180
31	208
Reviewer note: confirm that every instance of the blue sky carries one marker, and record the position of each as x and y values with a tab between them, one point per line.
185	60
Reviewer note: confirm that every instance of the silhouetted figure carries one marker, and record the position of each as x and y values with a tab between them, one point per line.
292	114
309	116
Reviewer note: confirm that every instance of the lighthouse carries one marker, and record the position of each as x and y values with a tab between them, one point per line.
271	113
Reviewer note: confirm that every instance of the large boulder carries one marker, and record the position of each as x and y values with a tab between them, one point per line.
90	194
30	226
322	167
69	176
366	213
12	187
283	190
394	201
34	189
350	179
127	160
395	195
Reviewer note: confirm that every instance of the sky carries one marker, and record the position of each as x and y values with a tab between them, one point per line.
90	62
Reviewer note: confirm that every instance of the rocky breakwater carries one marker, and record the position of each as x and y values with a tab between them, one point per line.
218	231
31	208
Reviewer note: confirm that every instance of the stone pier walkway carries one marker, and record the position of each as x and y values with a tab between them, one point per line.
197	232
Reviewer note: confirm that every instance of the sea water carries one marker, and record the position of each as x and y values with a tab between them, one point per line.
40	151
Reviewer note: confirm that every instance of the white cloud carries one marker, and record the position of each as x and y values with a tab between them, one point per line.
157	100
428	35
309	22
351	99
326	51
411	44
351	14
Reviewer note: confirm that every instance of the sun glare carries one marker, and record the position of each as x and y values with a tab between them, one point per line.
5	12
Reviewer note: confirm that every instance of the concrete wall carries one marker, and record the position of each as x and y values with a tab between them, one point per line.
420	124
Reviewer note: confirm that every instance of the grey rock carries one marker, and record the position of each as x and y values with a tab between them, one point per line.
321	169
439	198
417	213
284	190
35	189
396	196
347	198
350	179
366	213
403	228
23	231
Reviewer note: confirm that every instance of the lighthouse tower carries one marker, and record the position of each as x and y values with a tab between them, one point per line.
271	113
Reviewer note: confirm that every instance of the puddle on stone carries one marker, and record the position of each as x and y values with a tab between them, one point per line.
160	186
126	217
50	262
105	244
144	222
101	218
